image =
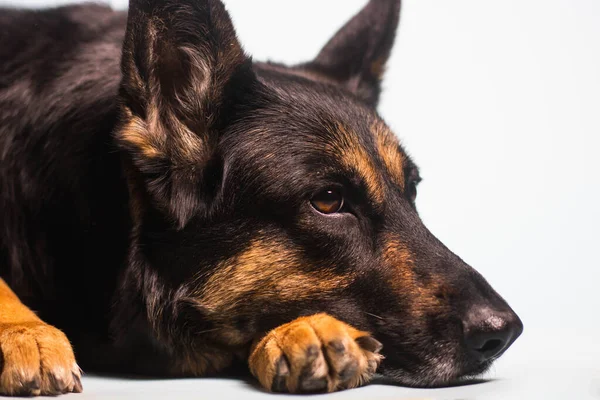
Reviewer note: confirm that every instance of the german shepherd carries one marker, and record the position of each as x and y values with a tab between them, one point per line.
177	209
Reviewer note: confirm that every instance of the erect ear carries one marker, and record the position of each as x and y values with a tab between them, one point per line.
356	56
183	69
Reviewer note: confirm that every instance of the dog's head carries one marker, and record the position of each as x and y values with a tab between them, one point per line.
262	192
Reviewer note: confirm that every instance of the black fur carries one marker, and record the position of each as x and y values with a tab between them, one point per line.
126	182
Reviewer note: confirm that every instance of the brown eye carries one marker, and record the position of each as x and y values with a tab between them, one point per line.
412	191
328	201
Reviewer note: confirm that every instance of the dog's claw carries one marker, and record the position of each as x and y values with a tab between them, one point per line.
370	344
29	388
77	387
349	371
313	385
282	371
337	346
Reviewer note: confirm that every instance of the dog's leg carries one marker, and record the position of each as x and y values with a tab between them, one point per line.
314	354
35	358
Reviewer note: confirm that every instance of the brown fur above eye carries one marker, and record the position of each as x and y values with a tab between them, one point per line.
355	158
388	148
376	168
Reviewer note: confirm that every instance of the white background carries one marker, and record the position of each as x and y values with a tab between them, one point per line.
499	104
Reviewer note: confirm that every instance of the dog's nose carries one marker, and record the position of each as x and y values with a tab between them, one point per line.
489	332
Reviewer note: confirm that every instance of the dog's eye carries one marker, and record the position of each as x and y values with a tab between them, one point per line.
328	201
412	191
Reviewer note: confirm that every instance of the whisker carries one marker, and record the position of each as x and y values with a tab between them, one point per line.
206	331
373	315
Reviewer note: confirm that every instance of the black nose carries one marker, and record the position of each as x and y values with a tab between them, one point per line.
489	332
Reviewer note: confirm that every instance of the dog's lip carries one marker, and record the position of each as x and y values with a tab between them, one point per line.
404	381
478	370
465	375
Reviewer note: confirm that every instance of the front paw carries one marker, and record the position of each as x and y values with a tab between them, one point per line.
36	359
314	354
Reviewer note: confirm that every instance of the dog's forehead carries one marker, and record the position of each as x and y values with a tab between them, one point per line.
325	121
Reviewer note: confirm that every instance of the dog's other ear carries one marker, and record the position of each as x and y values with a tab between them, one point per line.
183	69
356	56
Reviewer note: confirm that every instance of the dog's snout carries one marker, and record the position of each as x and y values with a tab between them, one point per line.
488	332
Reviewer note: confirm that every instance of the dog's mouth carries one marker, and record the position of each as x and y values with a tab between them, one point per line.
450	365
436	352
437	374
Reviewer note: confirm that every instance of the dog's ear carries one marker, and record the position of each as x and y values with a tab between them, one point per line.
183	69
356	56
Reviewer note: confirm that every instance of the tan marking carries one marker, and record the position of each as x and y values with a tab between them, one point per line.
323	333
396	254
355	158
269	270
389	150
399	262
135	133
141	134
152	139
33	351
272	267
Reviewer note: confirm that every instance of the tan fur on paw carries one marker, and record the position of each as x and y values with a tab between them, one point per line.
314	354
36	359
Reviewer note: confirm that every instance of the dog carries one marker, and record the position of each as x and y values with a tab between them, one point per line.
172	208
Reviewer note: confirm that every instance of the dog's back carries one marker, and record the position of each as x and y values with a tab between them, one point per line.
56	54
61	192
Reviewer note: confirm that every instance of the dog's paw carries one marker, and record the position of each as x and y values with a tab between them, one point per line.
314	354
36	359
